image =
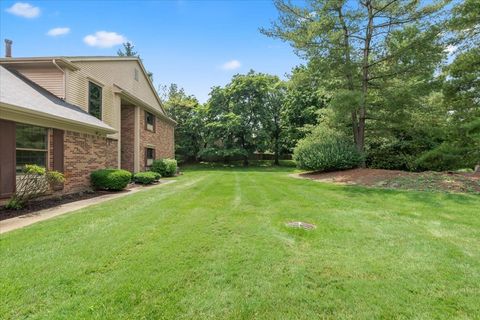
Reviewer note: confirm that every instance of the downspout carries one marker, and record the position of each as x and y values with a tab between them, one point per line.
64	79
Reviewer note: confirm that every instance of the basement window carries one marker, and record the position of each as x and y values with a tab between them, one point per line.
95	100
149	157
149	121
31	146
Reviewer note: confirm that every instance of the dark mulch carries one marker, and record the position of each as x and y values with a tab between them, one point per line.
395	179
47	203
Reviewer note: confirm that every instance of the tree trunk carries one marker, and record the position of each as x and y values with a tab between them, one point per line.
277	150
245	161
365	78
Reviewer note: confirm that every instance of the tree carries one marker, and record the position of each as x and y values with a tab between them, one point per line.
127	50
304	97
189	132
273	117
360	46
239	117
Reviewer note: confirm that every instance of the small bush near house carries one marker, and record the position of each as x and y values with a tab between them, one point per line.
326	150
34	182
166	167
110	179
147	177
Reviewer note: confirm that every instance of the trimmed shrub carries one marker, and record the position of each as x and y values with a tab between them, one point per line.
110	179
326	150
147	177
165	167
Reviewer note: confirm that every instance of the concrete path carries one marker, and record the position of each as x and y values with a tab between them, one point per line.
30	218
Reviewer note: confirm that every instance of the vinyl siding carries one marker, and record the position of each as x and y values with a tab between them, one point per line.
51	79
106	74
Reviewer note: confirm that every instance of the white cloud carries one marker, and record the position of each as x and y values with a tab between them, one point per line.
24	9
231	65
58	32
104	39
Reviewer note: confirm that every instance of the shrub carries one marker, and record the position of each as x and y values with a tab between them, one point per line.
110	179
326	150
147	177
165	167
34	182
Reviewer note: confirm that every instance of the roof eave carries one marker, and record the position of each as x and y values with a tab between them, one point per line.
18	109
136	101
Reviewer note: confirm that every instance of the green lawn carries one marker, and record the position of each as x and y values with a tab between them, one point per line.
215	245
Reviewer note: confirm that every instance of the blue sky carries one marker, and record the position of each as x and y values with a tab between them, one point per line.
196	44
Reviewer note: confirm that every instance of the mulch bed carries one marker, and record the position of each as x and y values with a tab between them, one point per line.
395	179
47	203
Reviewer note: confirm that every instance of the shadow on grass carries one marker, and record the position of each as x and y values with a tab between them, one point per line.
237	166
432	198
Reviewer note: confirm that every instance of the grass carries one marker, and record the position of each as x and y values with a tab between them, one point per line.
215	245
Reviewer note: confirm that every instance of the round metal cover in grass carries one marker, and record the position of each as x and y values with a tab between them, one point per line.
301	225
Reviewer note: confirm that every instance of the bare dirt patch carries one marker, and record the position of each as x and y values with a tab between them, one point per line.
395	179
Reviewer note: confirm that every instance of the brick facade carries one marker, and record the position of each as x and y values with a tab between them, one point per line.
162	140
85	153
127	138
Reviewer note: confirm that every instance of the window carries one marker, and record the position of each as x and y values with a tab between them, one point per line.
31	146
95	100
149	121
149	157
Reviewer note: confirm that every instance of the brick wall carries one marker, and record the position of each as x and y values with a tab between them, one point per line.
162	139
85	153
127	137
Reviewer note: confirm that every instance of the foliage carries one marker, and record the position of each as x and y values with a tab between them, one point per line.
325	150
188	113
34	182
359	48
127	50
305	96
147	177
165	167
110	179
241	117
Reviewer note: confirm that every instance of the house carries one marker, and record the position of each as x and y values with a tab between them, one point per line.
77	115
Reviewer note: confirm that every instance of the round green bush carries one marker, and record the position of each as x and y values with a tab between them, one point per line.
147	177
110	179
327	155
165	167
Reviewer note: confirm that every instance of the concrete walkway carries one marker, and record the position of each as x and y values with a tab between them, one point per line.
33	217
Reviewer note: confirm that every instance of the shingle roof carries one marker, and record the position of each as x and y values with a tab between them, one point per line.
18	91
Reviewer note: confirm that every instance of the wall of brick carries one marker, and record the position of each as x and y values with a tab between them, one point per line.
85	153
162	139
127	139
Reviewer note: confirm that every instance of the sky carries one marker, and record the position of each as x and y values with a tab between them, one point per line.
195	44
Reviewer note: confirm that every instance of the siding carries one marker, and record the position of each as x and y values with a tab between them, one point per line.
51	79
108	73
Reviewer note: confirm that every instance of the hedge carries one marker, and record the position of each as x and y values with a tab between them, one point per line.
165	167
147	177
110	179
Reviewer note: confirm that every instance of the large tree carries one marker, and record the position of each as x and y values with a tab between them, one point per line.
187	112
240	117
360	45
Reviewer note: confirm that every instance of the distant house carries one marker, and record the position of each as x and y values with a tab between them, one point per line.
79	114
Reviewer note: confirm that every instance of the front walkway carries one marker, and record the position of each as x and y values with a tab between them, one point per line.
31	218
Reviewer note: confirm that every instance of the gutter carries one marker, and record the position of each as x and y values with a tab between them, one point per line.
64	89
